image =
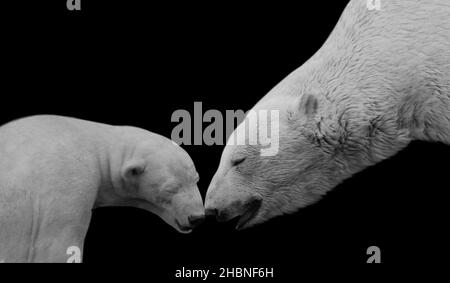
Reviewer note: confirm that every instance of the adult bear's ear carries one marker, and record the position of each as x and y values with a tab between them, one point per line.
132	170
308	106
304	108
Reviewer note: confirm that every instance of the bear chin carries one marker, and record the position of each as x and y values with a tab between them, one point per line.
182	229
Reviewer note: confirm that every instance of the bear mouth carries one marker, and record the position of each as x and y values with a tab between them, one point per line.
182	228
250	211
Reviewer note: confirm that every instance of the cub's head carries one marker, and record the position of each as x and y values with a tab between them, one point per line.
161	177
319	145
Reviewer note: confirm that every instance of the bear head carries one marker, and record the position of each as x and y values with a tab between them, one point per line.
319	144
160	177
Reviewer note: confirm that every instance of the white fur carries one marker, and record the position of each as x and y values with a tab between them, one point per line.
381	80
55	170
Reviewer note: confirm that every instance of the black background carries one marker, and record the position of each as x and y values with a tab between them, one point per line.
120	62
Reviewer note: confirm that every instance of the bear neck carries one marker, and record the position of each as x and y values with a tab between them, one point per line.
116	149
402	82
426	114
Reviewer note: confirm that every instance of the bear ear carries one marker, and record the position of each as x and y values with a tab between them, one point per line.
132	170
308	105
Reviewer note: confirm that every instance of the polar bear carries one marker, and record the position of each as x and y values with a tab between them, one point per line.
54	170
381	80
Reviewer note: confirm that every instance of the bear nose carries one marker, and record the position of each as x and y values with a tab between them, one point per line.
220	215
195	220
211	212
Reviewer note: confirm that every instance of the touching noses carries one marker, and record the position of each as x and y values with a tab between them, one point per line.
195	220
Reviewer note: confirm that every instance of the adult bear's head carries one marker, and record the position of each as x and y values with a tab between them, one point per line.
159	176
320	144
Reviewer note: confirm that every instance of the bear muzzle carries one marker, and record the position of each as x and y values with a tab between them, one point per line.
245	210
193	220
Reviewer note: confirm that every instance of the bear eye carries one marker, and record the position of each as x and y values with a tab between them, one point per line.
237	161
174	188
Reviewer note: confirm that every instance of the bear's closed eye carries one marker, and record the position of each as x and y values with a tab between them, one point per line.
173	189
237	161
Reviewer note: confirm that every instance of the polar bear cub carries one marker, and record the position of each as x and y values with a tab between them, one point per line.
54	170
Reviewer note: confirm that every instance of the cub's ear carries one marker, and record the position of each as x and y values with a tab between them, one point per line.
132	170
308	106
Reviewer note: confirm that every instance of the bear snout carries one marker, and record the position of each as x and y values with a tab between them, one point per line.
245	210
221	215
224	213
195	220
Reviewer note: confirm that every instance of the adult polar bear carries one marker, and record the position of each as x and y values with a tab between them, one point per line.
54	170
381	80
